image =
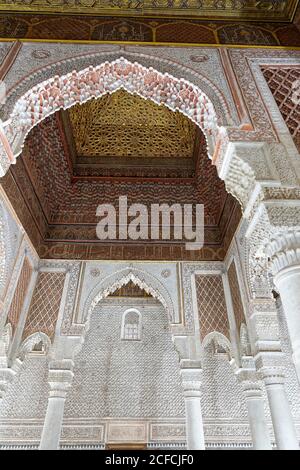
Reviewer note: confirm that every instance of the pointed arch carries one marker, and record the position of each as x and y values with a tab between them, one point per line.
217	340
142	279
62	92
33	340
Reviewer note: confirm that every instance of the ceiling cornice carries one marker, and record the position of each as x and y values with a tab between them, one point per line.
267	10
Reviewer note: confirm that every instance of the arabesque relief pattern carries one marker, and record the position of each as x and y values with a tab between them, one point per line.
267	241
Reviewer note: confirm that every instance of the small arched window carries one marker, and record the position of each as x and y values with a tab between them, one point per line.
131	325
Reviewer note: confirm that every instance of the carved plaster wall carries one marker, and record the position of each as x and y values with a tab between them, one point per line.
108	369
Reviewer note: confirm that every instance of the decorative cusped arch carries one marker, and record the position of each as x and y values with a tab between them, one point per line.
115	281
218	339
62	92
31	341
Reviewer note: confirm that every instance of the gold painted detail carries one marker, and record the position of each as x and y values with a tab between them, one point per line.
125	125
130	290
263	10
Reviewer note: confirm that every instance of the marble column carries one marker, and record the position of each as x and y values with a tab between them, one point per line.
60	381
256	413
191	382
287	282
284	254
282	419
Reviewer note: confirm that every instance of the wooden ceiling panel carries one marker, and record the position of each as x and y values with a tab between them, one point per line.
260	10
125	125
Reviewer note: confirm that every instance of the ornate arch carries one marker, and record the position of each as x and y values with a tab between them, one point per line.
31	341
111	54
195	96
120	278
218	340
62	92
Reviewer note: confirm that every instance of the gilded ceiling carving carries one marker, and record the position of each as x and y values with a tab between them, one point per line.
63	92
62	210
126	125
247	9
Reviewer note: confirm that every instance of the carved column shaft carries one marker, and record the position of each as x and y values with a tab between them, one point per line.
191	382
282	419
288	284
284	253
256	413
60	381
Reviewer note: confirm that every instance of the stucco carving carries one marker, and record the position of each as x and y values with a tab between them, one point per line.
3	260
219	344
78	87
284	250
32	341
141	278
188	269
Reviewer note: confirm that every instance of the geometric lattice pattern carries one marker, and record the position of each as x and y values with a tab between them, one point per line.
19	295
211	305
236	297
284	83
126	379
45	304
125	125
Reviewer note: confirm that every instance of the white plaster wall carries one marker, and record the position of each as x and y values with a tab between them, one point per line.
116	378
27	395
222	394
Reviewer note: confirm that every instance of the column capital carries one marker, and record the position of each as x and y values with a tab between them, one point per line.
271	367
191	379
60	377
283	251
250	383
264	323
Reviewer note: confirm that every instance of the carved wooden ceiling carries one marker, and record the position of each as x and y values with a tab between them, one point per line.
125	125
55	190
123	135
260	10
